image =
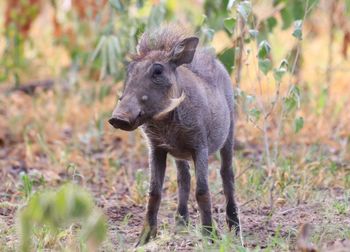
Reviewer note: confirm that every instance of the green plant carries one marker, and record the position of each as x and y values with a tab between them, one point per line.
27	185
49	213
117	41
250	35
341	207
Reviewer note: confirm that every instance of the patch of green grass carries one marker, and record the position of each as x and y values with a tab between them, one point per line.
341	207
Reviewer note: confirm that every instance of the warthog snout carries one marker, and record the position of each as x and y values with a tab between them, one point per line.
120	122
125	117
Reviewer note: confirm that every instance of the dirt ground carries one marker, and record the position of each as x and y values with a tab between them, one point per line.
259	225
262	227
310	183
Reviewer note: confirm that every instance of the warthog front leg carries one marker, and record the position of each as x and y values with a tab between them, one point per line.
184	186
157	165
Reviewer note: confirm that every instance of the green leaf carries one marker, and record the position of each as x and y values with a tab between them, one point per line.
265	65
208	33
284	64
27	184
156	17
104	92
298	25
322	100
112	58
98	47
279	72
117	4
227	58
140	3
290	104
271	23
255	114
56	210
253	33
298	124
347	7
293	100
298	8
116	45
230	4
104	59
244	9
264	49
230	24
95	228
287	18
276	2
295	91
250	98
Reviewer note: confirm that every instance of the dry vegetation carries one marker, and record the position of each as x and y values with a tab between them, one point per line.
61	134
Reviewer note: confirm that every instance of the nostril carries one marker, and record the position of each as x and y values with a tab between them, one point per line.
112	121
120	123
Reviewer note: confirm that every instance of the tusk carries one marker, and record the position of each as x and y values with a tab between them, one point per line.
174	102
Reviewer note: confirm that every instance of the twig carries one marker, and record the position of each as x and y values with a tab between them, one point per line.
271	194
240	231
330	44
241	173
238	61
288	210
247	202
30	87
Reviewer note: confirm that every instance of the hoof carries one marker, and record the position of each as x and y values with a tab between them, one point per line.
233	223
147	233
211	233
181	221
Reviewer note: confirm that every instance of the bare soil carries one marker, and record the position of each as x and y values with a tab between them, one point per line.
262	226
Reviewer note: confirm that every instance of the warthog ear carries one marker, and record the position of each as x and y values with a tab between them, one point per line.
183	51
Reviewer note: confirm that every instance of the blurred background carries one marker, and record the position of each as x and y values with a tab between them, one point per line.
62	66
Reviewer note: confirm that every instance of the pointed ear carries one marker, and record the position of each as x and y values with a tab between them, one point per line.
183	51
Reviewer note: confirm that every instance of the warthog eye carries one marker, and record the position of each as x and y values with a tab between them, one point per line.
157	70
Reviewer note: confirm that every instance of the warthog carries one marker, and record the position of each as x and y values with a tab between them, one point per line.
183	99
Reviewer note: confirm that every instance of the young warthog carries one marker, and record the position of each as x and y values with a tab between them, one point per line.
183	98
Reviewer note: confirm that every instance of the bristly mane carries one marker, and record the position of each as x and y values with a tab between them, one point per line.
162	40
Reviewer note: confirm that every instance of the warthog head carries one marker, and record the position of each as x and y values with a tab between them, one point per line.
151	90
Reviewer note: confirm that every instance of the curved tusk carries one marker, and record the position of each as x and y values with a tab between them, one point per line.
174	102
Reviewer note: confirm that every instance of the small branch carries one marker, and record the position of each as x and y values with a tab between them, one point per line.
288	210
240	174
330	44
238	60
249	201
30	87
271	193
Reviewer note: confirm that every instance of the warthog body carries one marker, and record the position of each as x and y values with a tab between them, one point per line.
183	98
